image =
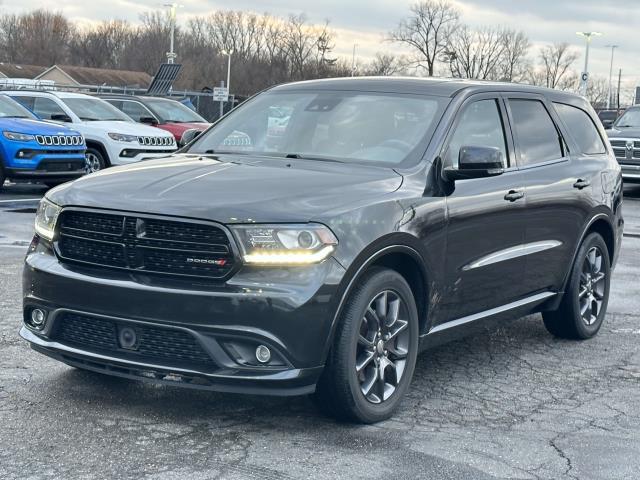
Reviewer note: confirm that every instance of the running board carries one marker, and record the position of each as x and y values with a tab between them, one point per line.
494	311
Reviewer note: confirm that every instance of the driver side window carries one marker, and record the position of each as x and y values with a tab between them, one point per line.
480	125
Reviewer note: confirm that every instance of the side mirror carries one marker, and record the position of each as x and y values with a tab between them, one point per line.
607	124
148	120
61	117
476	162
189	135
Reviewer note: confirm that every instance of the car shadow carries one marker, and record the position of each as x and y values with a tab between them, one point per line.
443	369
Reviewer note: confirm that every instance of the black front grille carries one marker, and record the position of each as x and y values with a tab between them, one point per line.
165	345
144	245
61	165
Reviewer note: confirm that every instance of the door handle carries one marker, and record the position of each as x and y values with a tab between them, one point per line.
580	184
514	195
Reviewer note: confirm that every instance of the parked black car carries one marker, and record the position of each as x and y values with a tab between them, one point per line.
608	117
625	140
324	254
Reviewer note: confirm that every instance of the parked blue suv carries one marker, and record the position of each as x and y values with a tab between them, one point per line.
37	150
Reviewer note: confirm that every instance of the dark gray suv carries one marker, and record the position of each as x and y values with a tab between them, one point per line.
322	250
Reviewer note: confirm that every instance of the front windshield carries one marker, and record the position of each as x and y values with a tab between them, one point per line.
630	118
94	109
172	111
386	129
12	109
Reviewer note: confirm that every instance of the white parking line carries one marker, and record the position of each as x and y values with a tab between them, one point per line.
21	200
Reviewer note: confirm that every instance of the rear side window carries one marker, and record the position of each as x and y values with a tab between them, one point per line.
537	138
581	128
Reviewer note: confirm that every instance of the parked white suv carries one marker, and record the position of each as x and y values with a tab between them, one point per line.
112	137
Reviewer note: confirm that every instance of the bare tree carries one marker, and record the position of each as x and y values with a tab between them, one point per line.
475	53
39	37
514	62
427	31
385	64
557	60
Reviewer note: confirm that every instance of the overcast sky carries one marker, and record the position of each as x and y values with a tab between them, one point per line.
365	22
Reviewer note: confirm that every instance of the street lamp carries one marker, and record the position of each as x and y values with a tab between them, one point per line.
353	61
228	53
584	78
171	55
609	91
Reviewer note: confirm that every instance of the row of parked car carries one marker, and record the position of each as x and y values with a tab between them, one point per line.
54	136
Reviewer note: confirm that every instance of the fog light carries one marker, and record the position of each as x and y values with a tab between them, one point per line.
38	318
263	354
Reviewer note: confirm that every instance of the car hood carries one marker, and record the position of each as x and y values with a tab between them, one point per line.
231	188
34	127
631	132
127	128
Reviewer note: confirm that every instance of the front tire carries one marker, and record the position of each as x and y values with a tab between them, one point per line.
374	353
95	160
584	305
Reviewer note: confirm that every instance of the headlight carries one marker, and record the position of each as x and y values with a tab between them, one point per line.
285	244
121	137
19	137
46	218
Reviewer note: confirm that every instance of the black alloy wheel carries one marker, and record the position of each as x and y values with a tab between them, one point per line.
371	363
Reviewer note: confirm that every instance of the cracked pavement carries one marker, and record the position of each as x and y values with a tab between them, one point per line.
511	402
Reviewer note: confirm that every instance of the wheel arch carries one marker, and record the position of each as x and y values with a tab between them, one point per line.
601	224
399	253
101	148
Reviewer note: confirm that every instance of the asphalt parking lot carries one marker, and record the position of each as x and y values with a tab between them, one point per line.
509	403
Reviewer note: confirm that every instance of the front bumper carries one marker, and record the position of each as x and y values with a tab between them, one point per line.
44	175
288	310
630	173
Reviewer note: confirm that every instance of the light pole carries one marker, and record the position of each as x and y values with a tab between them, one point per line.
171	55
585	74
353	61
609	91
228	53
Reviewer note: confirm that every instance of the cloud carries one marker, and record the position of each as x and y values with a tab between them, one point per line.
366	22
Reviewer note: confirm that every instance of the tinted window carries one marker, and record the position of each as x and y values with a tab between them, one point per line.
26	101
45	108
536	135
135	110
480	126
581	128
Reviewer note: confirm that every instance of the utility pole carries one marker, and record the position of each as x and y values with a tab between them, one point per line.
610	90
353	61
619	82
584	78
228	53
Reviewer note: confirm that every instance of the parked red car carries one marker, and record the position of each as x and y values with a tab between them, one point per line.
164	113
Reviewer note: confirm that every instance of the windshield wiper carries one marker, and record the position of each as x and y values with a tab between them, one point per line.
222	152
312	157
626	126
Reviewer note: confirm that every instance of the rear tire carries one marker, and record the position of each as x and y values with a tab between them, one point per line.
374	353
584	305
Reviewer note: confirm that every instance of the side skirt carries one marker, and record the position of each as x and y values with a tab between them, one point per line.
456	329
